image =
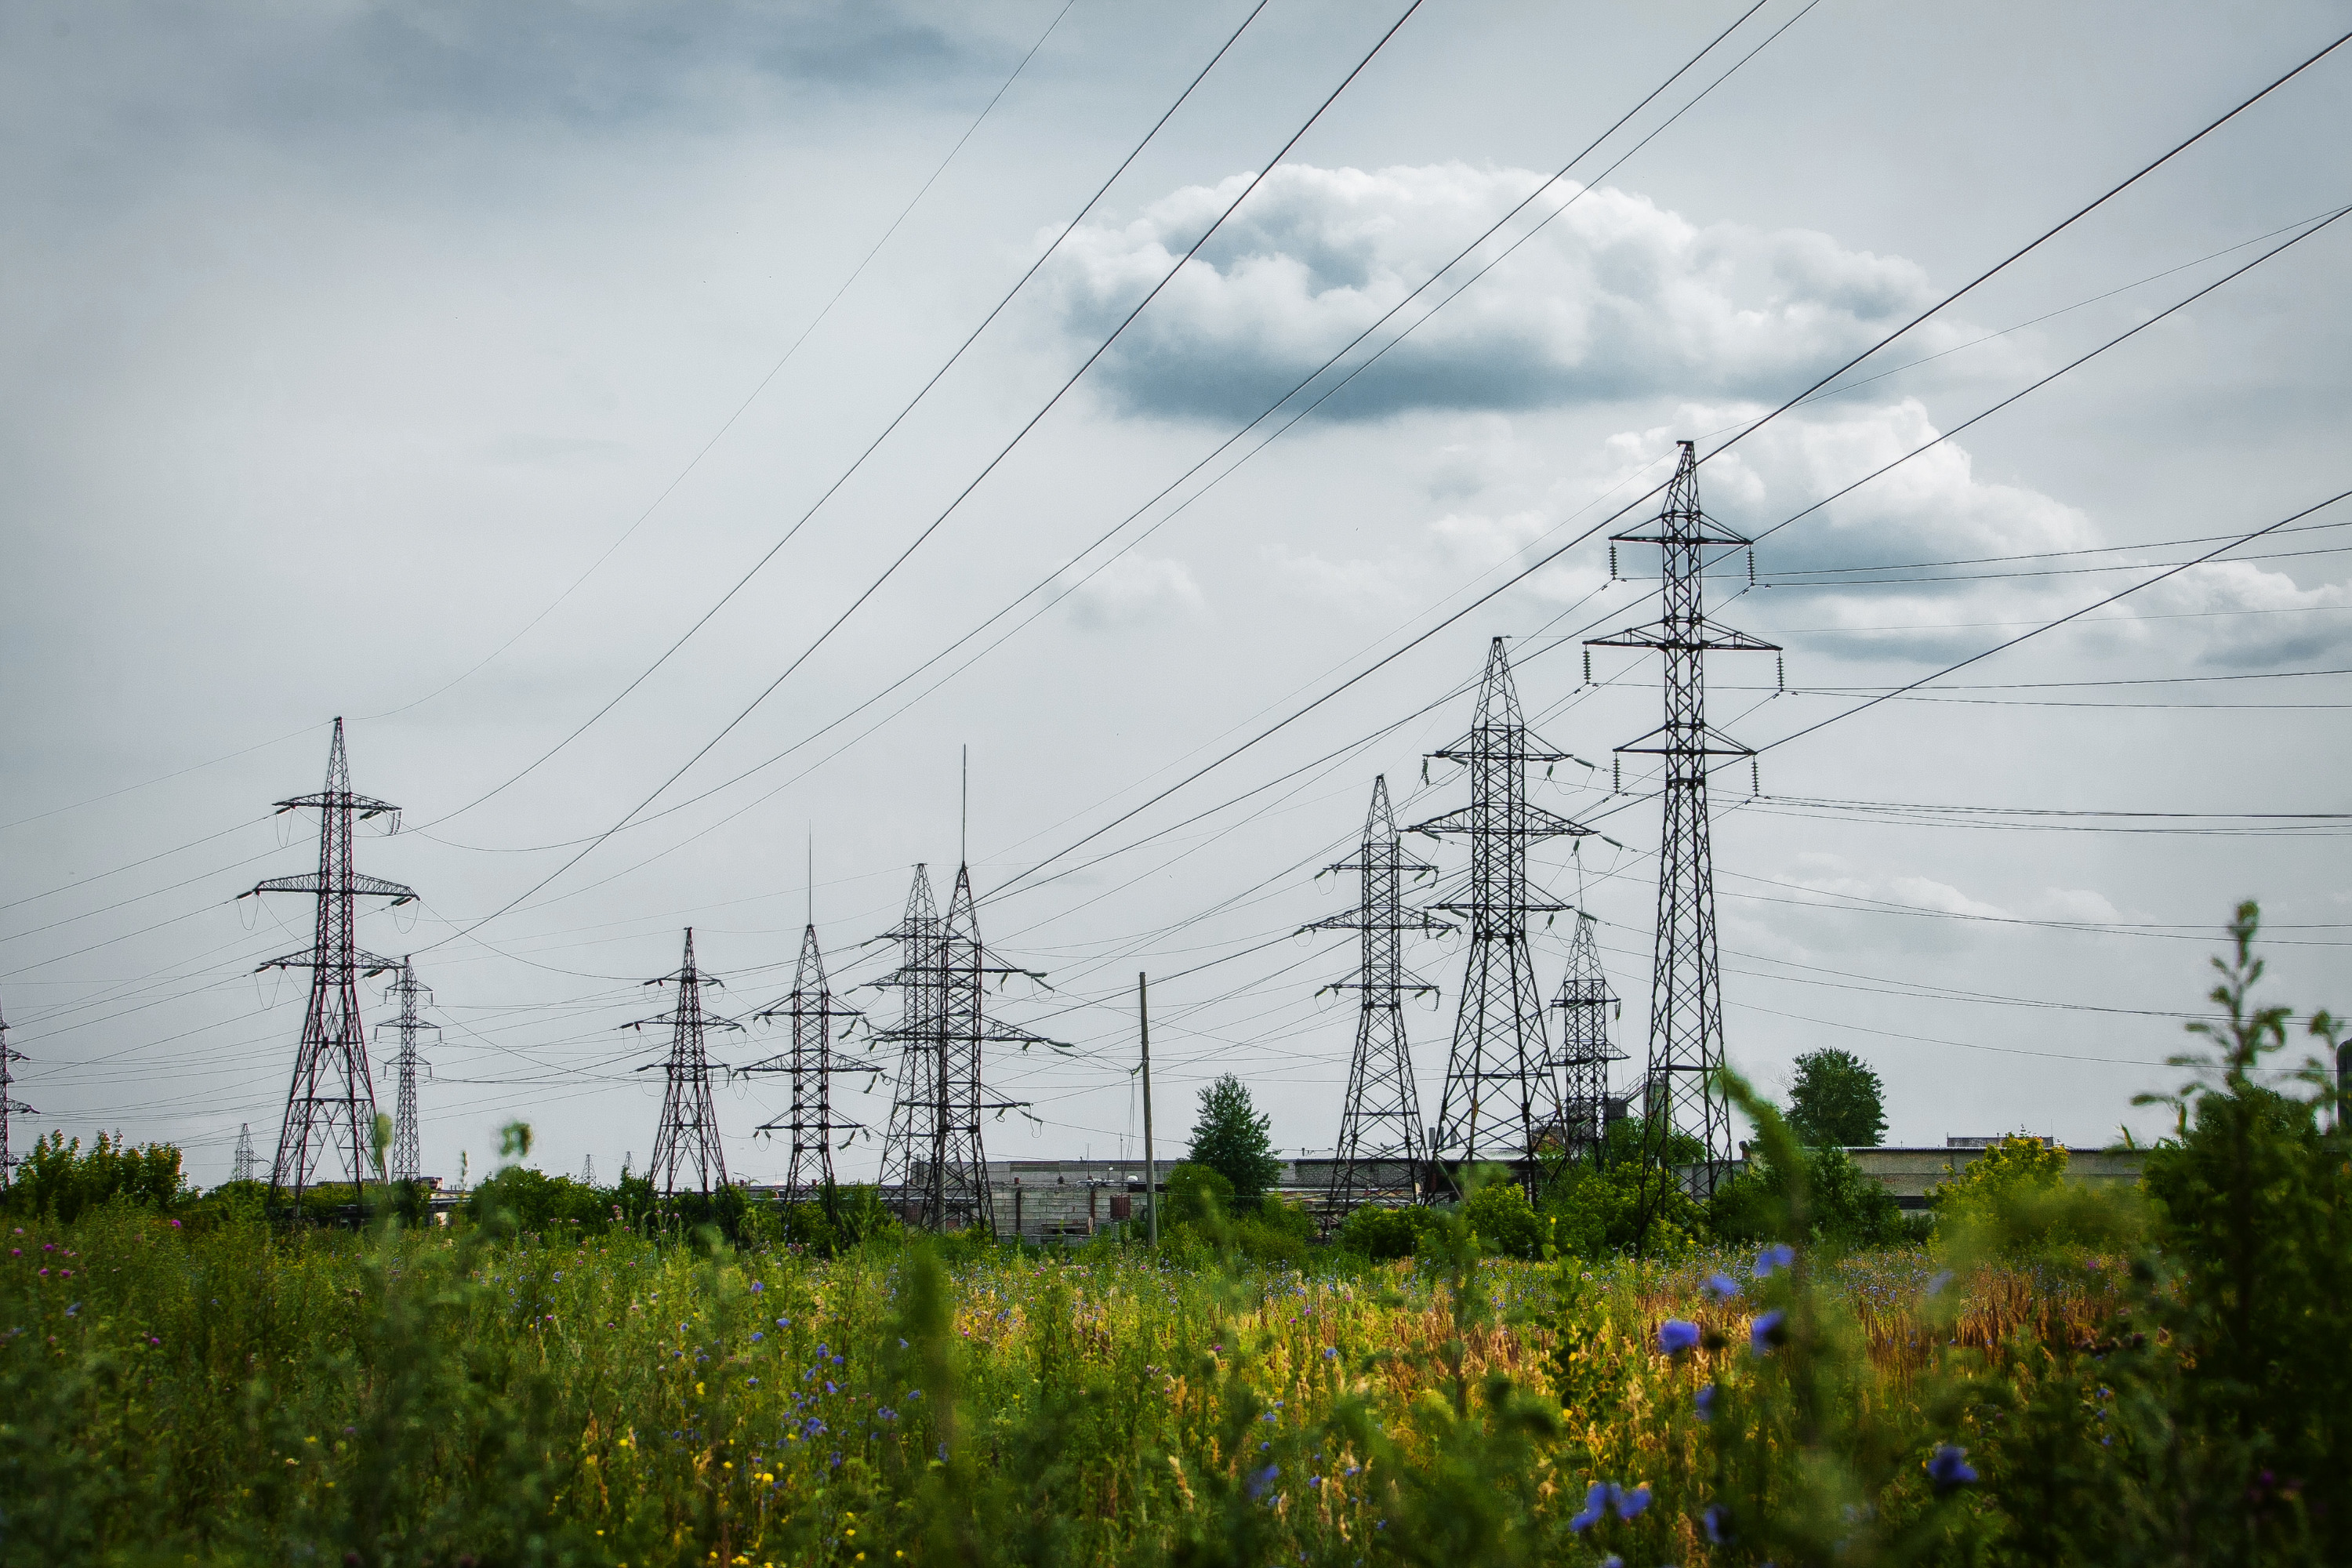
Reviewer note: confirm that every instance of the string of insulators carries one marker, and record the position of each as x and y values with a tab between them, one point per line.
1588	667
1751	566
1755	779
1616	775
1612	564
1780	663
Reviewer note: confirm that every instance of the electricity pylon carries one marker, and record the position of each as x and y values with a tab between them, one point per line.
332	1100
1587	1007
1681	1098
406	1156
243	1164
934	1166
812	1061
1501	1100
9	1105
689	1133
1379	1154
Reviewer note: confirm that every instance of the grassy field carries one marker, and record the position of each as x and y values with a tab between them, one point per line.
412	1398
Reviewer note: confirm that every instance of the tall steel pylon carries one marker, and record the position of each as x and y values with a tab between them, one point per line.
9	1105
812	1061
935	1167
687	1137
1681	1098
245	1161
332	1100
1586	1005
1379	1154
1501	1100
406	1156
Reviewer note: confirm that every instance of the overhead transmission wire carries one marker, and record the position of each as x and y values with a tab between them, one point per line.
1269	412
753	395
936	522
1741	435
859	462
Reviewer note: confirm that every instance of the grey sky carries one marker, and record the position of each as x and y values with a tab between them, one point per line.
342	343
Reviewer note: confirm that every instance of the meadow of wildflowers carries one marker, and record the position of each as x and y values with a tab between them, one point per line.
217	1391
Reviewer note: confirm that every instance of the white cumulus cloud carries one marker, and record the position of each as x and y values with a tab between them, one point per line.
1134	590
1615	298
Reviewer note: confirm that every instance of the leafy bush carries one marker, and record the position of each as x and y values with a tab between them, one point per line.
1505	1223
1382	1233
1846	1208
1595	1211
56	1180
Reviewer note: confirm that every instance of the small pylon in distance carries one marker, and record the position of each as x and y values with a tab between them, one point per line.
687	1142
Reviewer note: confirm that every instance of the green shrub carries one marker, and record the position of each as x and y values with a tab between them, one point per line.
57	1181
1847	1209
1505	1223
1382	1233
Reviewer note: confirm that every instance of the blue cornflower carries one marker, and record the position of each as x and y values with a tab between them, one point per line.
1774	1258
1596	1506
757	1337
1705	1402
1949	1468
1718	1521
1630	1504
1765	1332
1330	1351
1613	1560
1721	1286
756	1286
886	1413
1677	1335
1263	1479
829	1387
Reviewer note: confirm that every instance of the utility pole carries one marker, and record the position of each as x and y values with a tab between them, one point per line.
1378	1157
1501	1100
333	1097
1150	1155
1681	1098
406	1155
9	1105
689	1134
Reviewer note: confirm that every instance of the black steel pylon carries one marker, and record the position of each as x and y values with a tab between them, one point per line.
407	1156
688	1138
1501	1099
243	1164
937	1172
1587	1007
9	1105
1681	1097
331	1102
1377	1158
812	1061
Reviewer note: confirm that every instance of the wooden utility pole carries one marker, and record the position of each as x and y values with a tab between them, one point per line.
1151	1159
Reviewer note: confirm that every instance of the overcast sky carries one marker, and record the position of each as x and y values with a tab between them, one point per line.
441	366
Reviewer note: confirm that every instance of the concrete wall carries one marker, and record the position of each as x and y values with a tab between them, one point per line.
1909	1173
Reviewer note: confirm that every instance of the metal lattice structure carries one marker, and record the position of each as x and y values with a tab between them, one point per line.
935	1167
1587	1007
688	1139
10	1106
245	1161
1380	1140
1681	1099
330	1107
812	1061
406	1156
1501	1099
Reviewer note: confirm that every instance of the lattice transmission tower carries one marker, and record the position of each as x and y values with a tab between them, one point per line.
934	1166
688	1139
245	1161
10	1106
1501	1099
1378	1159
1681	1097
812	1061
331	1103
411	994
1587	1008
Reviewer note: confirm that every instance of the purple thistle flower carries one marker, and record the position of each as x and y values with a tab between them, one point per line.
1765	1332
1774	1258
1677	1335
1720	1287
1949	1468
